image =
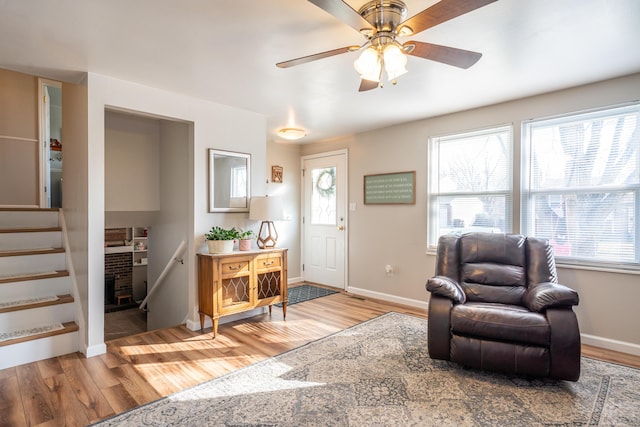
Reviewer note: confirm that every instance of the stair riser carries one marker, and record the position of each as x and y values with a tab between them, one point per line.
16	219
24	319
36	240
35	288
32	351
24	264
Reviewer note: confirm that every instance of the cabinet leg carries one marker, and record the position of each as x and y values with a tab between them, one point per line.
201	323
269	310
284	309
215	327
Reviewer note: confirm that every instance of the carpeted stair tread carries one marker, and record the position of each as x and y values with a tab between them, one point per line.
26	304
32	334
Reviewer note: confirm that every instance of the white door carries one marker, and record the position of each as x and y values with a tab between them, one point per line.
324	220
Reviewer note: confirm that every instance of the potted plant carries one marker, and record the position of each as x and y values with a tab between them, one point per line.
244	242
220	240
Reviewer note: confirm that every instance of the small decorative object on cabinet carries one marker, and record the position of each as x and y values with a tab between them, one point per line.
240	281
244	240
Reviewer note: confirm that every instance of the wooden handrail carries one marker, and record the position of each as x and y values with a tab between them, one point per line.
167	267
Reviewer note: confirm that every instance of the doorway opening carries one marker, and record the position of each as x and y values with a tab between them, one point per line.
51	143
147	171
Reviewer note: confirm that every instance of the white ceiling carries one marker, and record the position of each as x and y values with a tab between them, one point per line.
226	52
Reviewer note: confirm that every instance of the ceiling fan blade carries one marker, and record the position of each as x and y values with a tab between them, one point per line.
439	13
316	56
366	85
445	54
343	12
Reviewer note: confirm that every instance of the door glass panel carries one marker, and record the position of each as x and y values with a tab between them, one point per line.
323	196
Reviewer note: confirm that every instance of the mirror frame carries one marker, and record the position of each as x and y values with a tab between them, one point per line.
212	153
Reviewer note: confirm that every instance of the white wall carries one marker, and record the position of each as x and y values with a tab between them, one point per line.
214	126
75	205
287	155
396	235
169	307
132	159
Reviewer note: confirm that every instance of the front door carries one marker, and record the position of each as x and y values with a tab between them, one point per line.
324	220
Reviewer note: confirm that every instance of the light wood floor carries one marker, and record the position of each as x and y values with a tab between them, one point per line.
74	391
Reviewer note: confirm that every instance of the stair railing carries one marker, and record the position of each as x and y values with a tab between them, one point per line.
72	271
174	258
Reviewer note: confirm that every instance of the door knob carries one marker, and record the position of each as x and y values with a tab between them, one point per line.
340	227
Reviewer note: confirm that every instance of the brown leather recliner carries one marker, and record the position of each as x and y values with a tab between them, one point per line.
496	305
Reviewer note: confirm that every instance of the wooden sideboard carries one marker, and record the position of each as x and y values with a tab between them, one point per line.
240	281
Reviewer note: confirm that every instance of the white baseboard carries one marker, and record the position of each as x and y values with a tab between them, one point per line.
95	350
609	344
389	298
195	325
291	280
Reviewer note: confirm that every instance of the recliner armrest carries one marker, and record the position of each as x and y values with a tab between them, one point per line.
445	287
546	295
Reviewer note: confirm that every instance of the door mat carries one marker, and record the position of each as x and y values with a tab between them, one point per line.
305	293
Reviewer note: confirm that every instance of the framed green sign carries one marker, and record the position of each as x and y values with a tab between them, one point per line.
398	188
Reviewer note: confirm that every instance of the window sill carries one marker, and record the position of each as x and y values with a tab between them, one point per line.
602	268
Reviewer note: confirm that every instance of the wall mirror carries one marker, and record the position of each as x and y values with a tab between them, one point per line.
229	181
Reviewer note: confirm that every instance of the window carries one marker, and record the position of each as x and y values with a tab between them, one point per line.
239	181
470	183
582	183
323	196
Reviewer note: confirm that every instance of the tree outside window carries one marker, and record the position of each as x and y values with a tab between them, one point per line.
583	183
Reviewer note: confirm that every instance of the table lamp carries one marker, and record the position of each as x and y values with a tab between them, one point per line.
266	209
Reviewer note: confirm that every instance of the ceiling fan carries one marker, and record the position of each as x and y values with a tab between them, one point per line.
382	22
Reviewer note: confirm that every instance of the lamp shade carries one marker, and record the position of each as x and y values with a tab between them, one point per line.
368	64
266	208
394	61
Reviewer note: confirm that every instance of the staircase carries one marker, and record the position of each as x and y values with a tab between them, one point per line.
37	308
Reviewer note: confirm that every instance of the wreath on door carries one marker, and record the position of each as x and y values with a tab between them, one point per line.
326	182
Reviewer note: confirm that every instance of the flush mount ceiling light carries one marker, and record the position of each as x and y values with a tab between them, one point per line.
292	134
382	22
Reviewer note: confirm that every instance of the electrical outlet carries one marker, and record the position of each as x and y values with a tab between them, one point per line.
388	269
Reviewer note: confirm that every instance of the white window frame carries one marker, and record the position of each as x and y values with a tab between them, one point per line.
433	217
528	195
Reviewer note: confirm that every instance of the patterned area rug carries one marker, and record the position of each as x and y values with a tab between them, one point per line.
301	293
378	373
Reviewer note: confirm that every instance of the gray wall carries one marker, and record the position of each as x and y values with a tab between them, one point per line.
607	313
19	154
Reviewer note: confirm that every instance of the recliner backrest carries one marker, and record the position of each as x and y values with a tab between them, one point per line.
493	267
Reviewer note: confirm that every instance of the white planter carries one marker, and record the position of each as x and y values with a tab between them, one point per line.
220	246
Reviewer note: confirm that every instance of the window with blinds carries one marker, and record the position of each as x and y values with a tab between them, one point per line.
582	185
470	183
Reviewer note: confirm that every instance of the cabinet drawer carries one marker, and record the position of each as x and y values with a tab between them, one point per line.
268	262
234	267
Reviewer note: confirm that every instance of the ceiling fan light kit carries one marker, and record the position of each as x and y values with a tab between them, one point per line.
381	22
